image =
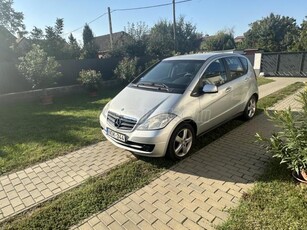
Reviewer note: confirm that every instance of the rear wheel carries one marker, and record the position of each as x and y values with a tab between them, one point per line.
181	141
250	109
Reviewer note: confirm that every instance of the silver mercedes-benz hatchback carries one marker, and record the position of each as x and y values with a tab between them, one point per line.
164	109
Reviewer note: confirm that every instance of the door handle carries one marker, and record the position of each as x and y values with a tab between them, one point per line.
246	79
228	89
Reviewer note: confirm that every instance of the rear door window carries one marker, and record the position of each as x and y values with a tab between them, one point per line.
235	67
215	73
244	63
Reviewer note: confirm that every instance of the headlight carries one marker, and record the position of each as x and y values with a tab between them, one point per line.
105	110
157	122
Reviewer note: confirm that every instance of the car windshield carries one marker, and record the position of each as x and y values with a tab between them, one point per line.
170	76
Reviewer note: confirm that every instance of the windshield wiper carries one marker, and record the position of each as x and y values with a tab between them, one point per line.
147	84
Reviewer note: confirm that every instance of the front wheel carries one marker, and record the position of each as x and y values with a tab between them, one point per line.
181	141
250	109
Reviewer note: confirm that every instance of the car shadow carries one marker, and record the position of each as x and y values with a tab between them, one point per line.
233	156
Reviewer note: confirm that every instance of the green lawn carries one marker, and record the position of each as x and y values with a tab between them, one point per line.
31	132
263	81
279	95
98	193
275	202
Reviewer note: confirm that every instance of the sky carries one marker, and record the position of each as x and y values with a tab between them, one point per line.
208	16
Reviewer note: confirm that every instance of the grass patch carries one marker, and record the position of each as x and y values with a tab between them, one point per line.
273	98
98	193
275	202
32	133
263	80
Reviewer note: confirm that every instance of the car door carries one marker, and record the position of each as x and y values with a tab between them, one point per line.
214	108
239	83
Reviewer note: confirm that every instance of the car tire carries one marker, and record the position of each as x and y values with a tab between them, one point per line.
181	142
250	108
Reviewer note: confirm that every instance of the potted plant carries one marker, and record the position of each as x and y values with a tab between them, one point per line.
289	144
90	79
40	70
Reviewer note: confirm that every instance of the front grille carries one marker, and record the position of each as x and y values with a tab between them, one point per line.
121	122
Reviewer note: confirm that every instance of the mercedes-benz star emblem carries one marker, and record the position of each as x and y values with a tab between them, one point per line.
118	122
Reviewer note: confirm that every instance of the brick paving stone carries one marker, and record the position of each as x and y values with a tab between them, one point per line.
119	217
147	216
7	210
106	218
100	226
160	226
130	225
145	225
134	217
162	216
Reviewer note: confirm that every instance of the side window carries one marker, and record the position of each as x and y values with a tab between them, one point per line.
235	67
215	73
245	64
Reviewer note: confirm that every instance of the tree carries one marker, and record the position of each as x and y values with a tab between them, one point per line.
273	33
54	44
161	42
89	48
9	18
51	41
10	22
36	34
39	69
73	47
134	44
188	39
301	42
222	40
87	35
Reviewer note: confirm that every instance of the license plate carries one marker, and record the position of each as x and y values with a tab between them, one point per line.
116	135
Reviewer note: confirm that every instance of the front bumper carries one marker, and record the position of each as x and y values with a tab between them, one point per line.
152	143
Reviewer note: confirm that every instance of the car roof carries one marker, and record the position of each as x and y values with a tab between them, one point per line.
200	56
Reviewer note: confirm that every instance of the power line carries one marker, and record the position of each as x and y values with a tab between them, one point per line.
127	9
79	28
147	7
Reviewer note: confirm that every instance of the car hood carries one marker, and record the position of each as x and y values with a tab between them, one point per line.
136	103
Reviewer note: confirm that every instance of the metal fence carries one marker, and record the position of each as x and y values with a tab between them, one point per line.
292	64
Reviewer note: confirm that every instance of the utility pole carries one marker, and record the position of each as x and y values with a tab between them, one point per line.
110	27
174	25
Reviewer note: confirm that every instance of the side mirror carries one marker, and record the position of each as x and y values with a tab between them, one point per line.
208	88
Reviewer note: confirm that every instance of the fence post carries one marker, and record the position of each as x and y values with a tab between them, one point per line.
302	64
277	64
257	63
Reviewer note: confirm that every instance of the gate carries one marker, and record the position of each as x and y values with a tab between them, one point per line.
292	64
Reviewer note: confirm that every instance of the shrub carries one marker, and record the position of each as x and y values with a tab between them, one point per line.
151	63
290	143
127	69
90	79
39	69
